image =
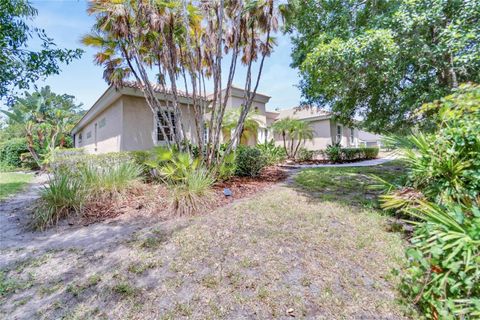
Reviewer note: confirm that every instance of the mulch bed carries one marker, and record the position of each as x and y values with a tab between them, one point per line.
243	187
153	200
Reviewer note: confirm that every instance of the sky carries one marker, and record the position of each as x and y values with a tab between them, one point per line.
66	21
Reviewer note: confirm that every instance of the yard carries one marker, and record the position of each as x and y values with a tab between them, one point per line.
293	250
11	182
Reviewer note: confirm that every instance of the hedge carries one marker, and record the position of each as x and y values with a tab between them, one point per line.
11	150
337	154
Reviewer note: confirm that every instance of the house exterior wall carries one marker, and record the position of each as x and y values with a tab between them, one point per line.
325	133
140	132
259	107
104	132
321	135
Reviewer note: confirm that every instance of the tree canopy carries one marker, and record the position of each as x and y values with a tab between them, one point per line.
20	65
45	119
383	59
184	43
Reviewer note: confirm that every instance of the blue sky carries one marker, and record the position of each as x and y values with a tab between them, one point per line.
67	21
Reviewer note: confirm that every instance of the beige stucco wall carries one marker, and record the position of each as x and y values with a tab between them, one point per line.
324	133
139	131
103	139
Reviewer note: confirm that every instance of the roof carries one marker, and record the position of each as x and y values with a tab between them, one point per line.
156	87
133	88
305	113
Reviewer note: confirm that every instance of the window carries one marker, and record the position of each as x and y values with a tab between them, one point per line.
102	123
352	135
163	123
79	138
89	134
339	133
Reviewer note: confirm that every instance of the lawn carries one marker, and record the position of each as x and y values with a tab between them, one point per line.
350	185
11	183
284	253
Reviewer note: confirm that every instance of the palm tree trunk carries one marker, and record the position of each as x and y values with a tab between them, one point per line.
296	149
284	142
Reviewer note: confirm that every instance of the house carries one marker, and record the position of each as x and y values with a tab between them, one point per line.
368	139
325	130
120	120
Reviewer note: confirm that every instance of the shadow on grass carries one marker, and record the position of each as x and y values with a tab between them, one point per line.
355	186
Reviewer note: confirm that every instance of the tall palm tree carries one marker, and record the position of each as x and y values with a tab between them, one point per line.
302	132
284	127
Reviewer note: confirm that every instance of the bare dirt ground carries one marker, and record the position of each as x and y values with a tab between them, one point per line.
280	254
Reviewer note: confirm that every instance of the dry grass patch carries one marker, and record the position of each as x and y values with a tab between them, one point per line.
280	254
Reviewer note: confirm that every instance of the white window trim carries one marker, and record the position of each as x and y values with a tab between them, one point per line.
338	136
157	132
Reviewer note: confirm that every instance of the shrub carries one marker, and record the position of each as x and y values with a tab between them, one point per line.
444	261
11	150
442	196
228	168
305	154
370	152
113	178
249	161
333	153
28	162
272	153
189	182
336	154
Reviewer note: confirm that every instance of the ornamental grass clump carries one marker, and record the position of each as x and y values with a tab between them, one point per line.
76	191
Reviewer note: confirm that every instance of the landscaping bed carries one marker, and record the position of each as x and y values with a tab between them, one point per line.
154	200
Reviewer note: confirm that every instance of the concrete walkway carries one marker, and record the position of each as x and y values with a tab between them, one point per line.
366	163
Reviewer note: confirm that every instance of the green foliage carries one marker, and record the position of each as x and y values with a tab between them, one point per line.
193	193
63	195
336	154
444	261
272	153
445	165
171	166
20	65
383	59
442	195
111	178
45	119
333	152
90	179
11	150
294	132
228	168
305	154
188	180
249	161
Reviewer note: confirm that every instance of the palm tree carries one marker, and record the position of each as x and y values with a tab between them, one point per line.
293	130
302	132
45	117
250	126
284	127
